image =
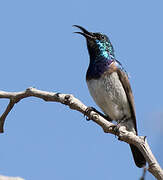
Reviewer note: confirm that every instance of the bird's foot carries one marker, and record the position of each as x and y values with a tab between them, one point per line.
89	109
120	126
116	130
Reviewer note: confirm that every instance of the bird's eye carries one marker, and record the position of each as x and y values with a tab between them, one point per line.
102	37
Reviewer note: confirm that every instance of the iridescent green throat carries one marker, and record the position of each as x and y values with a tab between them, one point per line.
106	49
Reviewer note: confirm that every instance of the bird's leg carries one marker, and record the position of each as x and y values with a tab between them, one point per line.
119	124
121	121
89	109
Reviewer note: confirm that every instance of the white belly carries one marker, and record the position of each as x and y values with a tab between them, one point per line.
109	95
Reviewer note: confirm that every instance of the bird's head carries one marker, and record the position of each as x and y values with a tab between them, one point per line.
98	44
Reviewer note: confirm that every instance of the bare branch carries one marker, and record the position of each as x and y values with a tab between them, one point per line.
4	115
76	104
66	99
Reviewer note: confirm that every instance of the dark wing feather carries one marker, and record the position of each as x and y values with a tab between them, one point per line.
126	85
138	156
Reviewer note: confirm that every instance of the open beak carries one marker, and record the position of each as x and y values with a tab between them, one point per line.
84	32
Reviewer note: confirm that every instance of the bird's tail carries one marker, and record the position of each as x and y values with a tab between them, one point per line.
138	156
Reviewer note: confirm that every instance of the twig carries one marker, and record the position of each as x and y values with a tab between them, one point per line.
4	115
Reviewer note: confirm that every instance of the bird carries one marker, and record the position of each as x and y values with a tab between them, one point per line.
109	85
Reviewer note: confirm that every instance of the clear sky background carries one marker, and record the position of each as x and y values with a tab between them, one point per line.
44	140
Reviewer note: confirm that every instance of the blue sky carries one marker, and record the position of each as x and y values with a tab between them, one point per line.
45	140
